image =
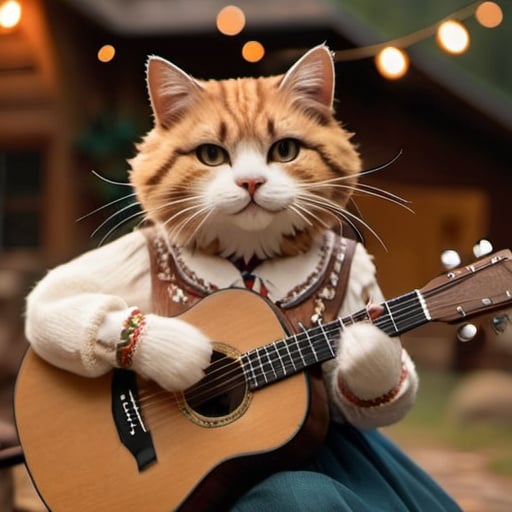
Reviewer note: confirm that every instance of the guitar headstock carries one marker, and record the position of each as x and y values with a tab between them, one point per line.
469	290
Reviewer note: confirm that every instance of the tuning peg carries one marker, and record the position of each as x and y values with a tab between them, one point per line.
500	323
482	247
450	259
466	332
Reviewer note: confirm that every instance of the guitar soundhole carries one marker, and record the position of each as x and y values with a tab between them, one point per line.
222	393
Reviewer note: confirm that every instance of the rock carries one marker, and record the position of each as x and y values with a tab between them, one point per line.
483	397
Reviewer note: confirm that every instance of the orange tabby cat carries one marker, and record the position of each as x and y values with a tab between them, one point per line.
249	166
244	181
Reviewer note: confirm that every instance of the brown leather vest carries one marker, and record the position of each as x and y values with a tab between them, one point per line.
173	293
175	289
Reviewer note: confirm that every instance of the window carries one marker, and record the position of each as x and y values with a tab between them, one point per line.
20	196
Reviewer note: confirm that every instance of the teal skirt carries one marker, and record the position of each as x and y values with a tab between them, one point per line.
360	471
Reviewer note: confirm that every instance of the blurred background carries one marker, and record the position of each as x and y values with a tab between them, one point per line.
73	101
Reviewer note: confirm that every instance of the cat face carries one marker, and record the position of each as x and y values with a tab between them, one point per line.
249	166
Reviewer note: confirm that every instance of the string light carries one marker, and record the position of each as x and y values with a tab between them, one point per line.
489	14
106	53
230	20
392	62
10	14
390	57
453	37
253	51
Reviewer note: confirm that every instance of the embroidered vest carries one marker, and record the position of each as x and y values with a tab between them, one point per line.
174	289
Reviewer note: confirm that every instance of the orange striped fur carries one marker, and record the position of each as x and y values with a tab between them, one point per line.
204	206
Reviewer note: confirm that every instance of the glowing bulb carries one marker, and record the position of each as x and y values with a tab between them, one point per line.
230	20
392	62
489	14
453	37
253	51
106	53
10	14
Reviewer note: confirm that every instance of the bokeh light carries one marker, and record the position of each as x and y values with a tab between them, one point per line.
489	14
253	51
230	20
10	14
392	63
106	53
453	37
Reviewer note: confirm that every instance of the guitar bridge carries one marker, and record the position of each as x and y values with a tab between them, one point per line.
128	419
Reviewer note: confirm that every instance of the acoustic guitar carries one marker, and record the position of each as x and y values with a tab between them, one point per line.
120	443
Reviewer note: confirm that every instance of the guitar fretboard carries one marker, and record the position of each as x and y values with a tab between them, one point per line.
280	359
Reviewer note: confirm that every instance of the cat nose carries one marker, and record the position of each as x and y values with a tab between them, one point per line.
251	184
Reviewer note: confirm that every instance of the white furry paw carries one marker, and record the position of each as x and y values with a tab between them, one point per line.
172	353
369	362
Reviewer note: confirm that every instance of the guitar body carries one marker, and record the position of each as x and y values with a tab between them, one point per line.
120	443
72	444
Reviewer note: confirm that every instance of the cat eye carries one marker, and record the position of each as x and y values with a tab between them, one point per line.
284	150
212	155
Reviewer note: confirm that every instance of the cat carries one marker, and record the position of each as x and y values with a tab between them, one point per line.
245	180
247	168
264	176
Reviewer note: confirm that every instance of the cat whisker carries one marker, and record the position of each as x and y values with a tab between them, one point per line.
119	224
171	203
181	212
112	182
370	190
340	218
107	205
110	217
365	189
316	217
175	202
382	166
198	227
350	218
295	209
176	231
335	214
366	171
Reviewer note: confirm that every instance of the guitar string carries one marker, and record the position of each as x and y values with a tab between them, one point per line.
210	388
388	320
297	339
233	376
164	415
157	411
259	370
231	371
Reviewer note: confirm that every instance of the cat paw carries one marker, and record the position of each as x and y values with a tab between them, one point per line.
172	353
369	364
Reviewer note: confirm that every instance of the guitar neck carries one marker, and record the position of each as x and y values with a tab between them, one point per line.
283	358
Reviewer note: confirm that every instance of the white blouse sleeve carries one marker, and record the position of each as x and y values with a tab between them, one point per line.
362	289
66	308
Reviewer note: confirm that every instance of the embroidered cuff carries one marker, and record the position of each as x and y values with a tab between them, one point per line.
372	402
133	327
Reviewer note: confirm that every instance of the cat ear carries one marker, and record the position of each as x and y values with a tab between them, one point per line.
312	76
170	89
